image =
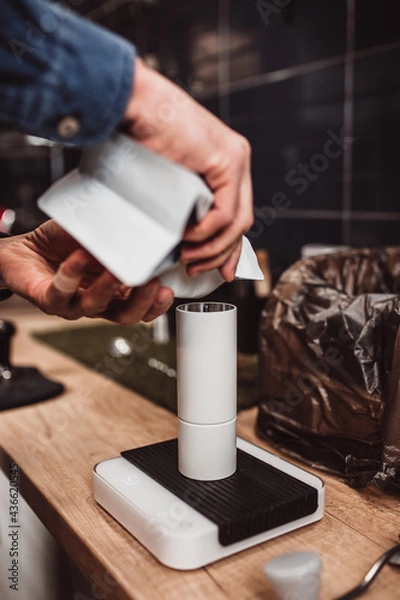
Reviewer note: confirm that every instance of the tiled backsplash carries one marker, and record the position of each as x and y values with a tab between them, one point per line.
315	87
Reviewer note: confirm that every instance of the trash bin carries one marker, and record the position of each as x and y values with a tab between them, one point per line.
329	365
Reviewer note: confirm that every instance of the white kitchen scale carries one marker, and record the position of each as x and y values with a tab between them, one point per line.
186	523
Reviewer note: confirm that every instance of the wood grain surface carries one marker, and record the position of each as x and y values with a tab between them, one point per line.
57	443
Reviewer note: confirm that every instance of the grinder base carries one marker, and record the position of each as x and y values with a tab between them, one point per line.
186	523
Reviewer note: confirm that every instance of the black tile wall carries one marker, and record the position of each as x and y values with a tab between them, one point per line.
305	189
265	37
185	36
376	22
303	104
376	176
284	238
24	177
375	233
294	127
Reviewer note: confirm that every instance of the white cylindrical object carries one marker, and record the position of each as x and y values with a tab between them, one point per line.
207	452
207	395
295	575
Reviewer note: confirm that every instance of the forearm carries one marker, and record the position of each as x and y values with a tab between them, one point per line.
62	77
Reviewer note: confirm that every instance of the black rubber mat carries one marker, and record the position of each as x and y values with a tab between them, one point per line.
256	498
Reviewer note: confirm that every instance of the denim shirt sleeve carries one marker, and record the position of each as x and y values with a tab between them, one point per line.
61	76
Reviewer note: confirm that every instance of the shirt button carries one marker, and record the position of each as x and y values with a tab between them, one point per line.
68	127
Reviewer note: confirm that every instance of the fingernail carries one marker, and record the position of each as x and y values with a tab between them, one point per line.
65	284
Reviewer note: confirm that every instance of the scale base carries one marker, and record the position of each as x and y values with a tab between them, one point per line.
187	524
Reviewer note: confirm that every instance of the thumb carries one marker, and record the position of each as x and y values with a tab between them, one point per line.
67	280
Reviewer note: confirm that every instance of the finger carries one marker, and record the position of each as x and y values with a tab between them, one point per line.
70	272
65	284
229	237
124	292
131	311
212	249
221	215
246	201
215	262
162	303
228	269
96	298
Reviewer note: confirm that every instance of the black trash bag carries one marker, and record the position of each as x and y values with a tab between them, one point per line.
330	365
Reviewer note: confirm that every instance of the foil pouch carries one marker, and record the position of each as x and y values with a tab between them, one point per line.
330	365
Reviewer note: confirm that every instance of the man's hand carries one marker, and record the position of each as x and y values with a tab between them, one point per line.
167	120
49	268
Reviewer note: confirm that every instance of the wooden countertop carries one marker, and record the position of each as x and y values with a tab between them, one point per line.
57	443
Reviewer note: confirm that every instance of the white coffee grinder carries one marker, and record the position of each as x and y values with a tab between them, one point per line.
208	494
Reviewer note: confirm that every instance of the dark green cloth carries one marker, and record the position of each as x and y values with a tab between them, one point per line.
89	345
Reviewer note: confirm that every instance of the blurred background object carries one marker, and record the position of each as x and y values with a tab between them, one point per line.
20	386
28	166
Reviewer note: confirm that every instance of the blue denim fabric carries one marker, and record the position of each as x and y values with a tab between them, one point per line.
55	64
